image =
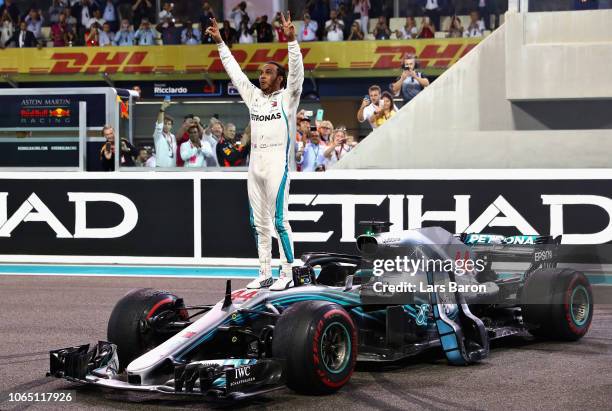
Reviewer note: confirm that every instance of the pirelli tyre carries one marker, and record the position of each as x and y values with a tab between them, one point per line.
129	324
557	303
318	340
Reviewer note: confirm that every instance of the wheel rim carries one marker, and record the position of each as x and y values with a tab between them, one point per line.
335	347
579	305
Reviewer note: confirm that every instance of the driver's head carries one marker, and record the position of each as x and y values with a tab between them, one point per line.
272	77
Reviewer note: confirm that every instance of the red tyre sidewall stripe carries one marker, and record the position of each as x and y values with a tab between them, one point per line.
157	305
566	305
321	373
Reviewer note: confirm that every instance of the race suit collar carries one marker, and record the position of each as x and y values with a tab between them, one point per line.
275	92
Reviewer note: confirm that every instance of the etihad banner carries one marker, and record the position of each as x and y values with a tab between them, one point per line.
322	58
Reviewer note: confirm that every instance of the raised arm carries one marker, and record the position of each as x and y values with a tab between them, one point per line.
239	79
295	78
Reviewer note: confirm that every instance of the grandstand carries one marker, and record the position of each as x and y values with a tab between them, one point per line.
520	98
523	98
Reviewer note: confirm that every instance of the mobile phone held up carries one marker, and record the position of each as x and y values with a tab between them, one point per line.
320	114
167	98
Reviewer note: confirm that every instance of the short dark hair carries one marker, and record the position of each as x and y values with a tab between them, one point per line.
280	71
374	87
169	118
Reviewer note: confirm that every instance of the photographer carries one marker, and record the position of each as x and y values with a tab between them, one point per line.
408	31
381	31
356	33
410	82
369	106
311	156
92	37
191	35
339	146
125	36
334	27
107	152
145	35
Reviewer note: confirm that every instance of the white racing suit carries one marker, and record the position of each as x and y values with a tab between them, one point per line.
273	123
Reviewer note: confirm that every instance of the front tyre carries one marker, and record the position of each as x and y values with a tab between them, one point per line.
318	340
128	326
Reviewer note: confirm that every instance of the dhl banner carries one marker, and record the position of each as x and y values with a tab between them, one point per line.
321	58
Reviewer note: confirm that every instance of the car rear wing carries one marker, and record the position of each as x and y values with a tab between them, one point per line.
496	239
540	250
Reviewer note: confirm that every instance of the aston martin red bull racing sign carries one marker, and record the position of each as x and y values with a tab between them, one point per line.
40	111
49	111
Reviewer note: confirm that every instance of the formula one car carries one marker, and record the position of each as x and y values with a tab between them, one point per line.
340	311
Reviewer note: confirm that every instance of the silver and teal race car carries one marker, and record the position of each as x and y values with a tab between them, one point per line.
341	309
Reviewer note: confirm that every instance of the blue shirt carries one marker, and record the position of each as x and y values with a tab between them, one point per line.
196	37
313	157
145	37
124	38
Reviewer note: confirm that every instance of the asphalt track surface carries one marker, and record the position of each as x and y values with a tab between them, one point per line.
42	313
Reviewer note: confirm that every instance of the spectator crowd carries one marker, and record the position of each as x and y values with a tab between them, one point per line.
317	145
95	23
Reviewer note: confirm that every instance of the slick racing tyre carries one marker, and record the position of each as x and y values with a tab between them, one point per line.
318	340
129	326
557	303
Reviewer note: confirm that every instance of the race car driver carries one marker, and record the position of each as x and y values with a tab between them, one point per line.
272	109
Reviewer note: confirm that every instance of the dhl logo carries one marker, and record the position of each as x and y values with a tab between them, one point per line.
107	62
387	55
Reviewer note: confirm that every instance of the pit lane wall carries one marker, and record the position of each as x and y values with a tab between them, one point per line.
536	93
188	218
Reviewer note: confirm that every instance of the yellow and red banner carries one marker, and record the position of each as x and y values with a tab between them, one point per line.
321	58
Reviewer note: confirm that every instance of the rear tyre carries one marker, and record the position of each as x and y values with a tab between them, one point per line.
318	340
557	303
128	325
